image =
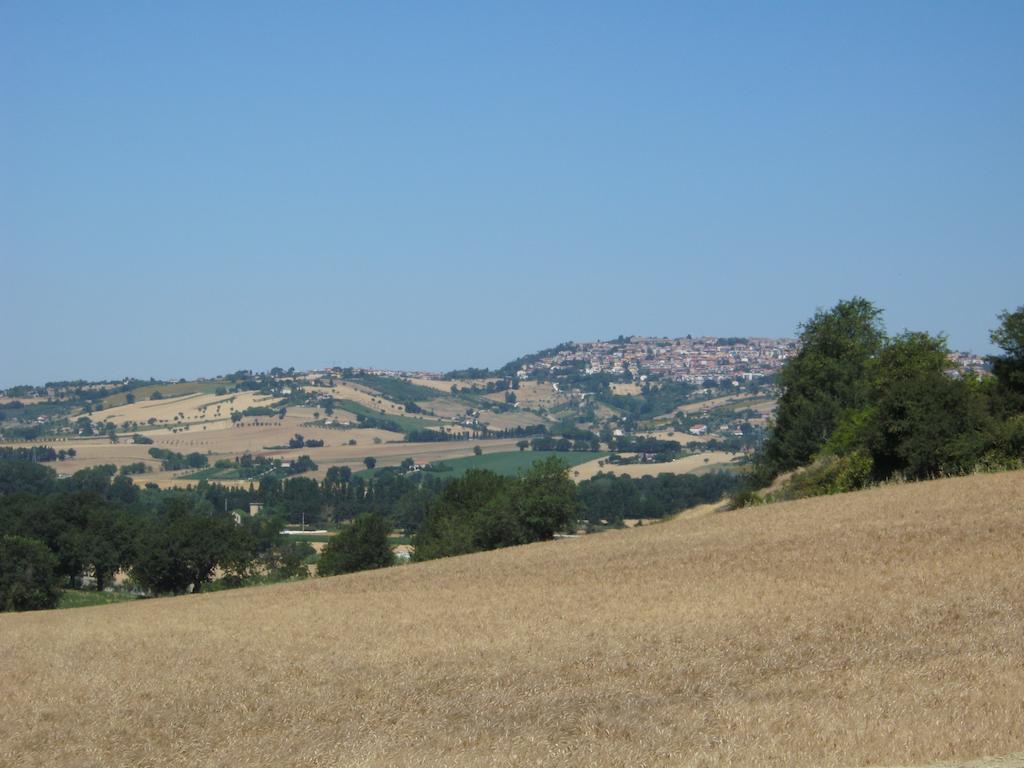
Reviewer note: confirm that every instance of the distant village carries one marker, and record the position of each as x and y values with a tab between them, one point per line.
690	360
694	360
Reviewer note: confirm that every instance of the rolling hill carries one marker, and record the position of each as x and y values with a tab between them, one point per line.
878	628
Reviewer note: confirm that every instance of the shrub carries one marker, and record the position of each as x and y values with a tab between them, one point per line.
361	546
28	575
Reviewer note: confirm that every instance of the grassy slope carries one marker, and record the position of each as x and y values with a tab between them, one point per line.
868	629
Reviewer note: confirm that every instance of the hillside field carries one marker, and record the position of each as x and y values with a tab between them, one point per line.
872	629
511	463
698	463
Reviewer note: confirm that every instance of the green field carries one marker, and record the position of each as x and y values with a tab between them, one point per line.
81	598
511	463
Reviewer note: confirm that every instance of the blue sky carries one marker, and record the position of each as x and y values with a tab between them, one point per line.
190	188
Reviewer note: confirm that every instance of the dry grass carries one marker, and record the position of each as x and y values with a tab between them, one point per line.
879	628
445	386
626	389
740	401
195	407
698	463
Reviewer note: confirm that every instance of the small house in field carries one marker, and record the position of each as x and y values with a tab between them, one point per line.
255	508
698	429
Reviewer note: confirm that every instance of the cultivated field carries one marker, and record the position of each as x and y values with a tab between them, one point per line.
445	386
870	629
233	441
737	401
511	463
534	394
188	409
698	463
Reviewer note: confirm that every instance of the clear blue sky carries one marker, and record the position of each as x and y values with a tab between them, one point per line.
188	188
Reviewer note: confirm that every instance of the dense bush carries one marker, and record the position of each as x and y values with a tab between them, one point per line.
170	460
607	498
28	575
859	407
360	546
482	510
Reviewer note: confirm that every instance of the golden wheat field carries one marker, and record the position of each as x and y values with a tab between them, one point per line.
870	629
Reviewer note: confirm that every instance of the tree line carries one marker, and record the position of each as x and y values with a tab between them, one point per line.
98	522
93	524
859	406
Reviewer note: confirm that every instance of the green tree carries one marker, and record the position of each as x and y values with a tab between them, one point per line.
301	499
370	462
337	476
824	382
106	544
95	479
482	510
28	575
183	544
453	519
1008	368
26	477
922	421
534	507
361	546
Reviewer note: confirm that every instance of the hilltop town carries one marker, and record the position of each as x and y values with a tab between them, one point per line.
692	360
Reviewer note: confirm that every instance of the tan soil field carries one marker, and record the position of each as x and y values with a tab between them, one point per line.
880	628
225	440
685	465
98	451
23	400
510	419
444	408
535	394
741	401
625	389
680	436
446	386
365	396
195	407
